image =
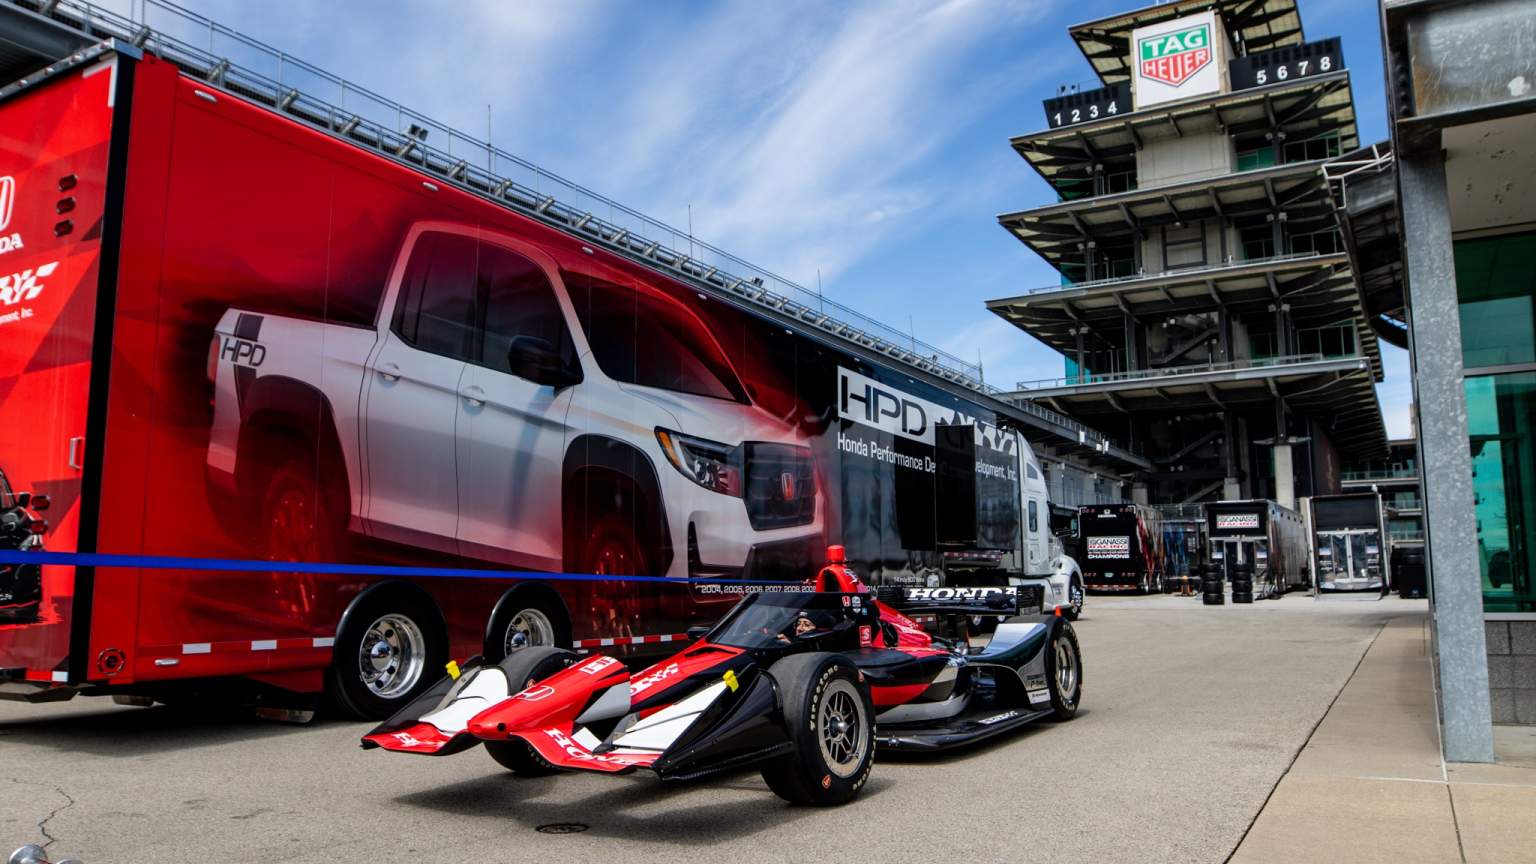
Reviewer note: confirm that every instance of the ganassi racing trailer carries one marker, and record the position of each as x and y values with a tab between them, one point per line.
317	410
1122	547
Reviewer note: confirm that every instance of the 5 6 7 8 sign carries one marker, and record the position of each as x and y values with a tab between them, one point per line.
1286	64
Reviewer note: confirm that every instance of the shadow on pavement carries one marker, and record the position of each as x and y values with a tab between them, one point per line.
692	814
110	730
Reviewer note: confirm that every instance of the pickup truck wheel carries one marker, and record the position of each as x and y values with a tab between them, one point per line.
386	654
295	522
612	549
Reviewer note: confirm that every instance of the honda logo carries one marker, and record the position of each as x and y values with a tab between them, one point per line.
787	486
534	694
7	200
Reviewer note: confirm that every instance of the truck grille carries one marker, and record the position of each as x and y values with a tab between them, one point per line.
781	486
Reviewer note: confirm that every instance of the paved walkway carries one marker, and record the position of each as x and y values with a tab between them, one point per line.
1370	784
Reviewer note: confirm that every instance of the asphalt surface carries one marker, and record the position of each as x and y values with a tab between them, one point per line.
1190	716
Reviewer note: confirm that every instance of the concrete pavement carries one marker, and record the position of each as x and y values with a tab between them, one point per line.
1370	785
1190	717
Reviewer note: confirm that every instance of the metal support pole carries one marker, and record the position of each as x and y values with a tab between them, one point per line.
1450	525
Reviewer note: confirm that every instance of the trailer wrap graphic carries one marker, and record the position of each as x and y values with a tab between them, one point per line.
1109	548
1237	521
53	176
319	358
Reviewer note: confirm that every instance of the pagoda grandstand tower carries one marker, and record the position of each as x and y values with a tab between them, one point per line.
1206	309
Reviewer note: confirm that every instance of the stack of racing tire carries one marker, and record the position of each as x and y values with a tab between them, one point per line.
1242	582
1213	592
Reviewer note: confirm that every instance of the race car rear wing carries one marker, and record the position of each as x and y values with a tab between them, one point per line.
995	600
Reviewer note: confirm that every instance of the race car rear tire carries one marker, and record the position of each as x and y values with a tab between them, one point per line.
1064	672
830	723
523	667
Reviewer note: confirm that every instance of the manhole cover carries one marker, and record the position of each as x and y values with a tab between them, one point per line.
562	828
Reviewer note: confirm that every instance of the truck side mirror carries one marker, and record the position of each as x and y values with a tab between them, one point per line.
23	499
535	359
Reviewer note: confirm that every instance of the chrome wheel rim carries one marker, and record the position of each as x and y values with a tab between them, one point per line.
841	728
1077	597
529	627
1066	670
391	656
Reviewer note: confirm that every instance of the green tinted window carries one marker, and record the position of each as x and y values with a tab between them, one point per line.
1496	287
1501	416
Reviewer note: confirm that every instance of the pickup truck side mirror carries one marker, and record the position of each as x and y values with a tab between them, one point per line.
23	499
535	359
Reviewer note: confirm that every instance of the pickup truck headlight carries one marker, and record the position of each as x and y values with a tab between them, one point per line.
707	463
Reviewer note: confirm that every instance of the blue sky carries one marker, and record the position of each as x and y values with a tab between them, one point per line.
864	140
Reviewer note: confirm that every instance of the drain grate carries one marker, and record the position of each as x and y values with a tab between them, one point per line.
562	828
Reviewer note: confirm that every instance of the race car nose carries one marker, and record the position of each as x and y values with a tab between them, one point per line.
487	725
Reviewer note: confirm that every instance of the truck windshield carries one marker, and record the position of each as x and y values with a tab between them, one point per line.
641	336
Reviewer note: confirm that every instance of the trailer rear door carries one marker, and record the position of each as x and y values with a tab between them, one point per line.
54	143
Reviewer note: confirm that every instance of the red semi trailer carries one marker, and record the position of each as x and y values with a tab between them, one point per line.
310	417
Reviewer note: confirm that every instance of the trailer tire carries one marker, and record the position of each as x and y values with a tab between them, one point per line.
391	647
522	669
527	617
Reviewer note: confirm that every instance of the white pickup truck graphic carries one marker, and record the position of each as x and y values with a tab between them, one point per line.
505	410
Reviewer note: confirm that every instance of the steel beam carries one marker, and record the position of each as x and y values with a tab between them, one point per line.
1450	523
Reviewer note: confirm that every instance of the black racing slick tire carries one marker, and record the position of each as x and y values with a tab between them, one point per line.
1242	596
523	668
829	718
391	647
1075	599
1064	672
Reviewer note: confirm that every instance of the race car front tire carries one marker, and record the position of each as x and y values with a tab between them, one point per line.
830	723
1064	672
524	667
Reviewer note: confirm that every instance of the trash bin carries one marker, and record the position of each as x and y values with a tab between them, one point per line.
1408	571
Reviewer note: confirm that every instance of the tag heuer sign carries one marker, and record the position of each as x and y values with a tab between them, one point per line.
1178	59
1173	58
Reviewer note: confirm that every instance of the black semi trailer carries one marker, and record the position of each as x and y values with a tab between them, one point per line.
1263	535
1349	543
1122	547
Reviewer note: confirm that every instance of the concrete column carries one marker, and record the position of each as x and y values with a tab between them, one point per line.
1456	598
1231	487
1285	477
1139	494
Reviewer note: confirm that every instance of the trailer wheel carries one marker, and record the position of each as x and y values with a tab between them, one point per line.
522	669
830	723
1064	673
389	650
526	619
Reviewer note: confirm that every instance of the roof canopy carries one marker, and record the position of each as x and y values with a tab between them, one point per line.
1258	25
1342	390
1302	108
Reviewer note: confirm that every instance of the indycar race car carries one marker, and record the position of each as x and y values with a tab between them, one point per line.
805	684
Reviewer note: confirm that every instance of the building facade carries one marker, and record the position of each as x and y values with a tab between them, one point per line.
1207	311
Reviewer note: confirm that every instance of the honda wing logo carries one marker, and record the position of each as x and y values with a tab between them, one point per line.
7	200
25	285
9	241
